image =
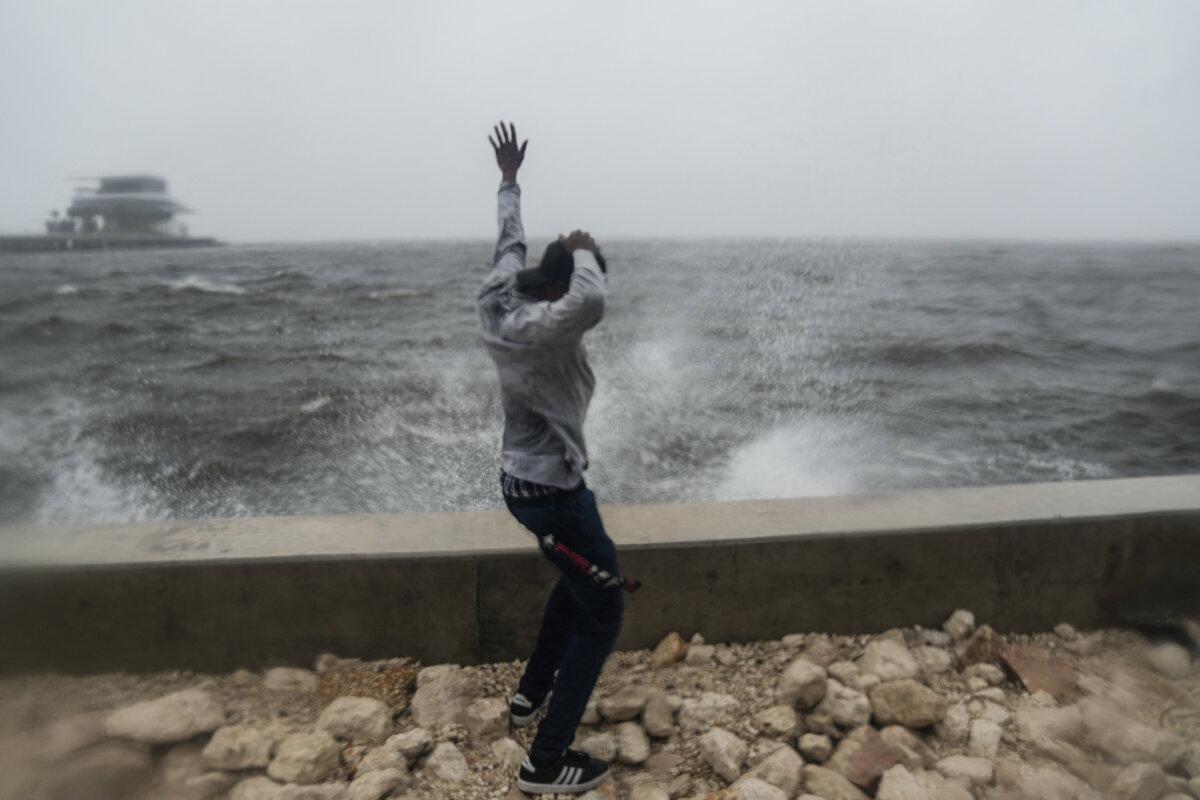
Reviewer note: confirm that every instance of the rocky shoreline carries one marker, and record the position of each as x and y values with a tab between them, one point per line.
960	713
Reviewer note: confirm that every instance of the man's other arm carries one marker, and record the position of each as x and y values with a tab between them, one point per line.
568	317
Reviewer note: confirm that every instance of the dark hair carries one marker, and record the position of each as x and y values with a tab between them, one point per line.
557	264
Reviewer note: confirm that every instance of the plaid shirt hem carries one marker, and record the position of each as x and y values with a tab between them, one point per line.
519	489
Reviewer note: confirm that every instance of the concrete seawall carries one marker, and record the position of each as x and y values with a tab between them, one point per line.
213	595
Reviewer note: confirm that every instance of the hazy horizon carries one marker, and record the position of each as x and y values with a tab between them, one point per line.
298	122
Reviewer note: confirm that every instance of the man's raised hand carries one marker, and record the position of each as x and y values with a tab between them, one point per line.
578	240
508	155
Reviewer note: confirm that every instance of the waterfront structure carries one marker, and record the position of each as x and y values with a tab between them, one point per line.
113	212
137	204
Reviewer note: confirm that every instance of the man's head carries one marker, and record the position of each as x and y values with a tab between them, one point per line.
551	278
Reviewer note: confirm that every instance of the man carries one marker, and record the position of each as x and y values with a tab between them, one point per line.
533	324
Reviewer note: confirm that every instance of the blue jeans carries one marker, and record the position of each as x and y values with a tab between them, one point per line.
581	621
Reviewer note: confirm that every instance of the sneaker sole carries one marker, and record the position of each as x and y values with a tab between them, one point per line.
521	722
557	788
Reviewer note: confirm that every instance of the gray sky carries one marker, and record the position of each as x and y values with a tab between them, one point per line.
301	120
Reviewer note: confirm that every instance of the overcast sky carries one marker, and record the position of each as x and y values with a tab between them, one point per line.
301	120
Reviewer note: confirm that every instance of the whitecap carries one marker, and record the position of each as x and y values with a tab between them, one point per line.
394	294
195	283
313	406
66	288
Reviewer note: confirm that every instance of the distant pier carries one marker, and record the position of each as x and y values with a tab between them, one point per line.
46	243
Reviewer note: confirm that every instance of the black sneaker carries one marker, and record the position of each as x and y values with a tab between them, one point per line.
573	773
521	710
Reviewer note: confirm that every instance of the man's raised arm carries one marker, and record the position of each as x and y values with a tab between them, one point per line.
510	246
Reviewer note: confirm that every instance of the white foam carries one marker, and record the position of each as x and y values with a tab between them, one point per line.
65	289
313	406
394	294
799	459
80	488
196	283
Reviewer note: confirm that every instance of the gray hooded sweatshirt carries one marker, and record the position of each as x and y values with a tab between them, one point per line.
545	381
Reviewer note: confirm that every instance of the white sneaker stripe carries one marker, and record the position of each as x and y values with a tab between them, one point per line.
561	779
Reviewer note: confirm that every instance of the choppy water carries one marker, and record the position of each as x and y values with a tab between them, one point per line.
348	377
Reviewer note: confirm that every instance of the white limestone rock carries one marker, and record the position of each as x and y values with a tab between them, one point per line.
600	745
802	684
444	696
290	679
724	752
990	674
647	790
1052	783
624	704
1170	660
845	672
306	758
172	718
633	747
356	718
412	743
1139	782
486	719
830	785
899	784
1065	631
376	785
755	789
782	769
657	717
776	721
889	659
382	758
933	660
939	787
698	655
848	708
508	752
698	713
1126	740
967	770
434	672
907	703
256	788
238	747
112	770
985	738
319	791
914	753
960	625
815	747
1190	761
184	775
1088	645
446	764
955	726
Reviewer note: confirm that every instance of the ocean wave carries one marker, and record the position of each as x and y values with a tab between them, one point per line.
315	405
394	294
919	354
66	289
196	283
51	327
1162	396
221	361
